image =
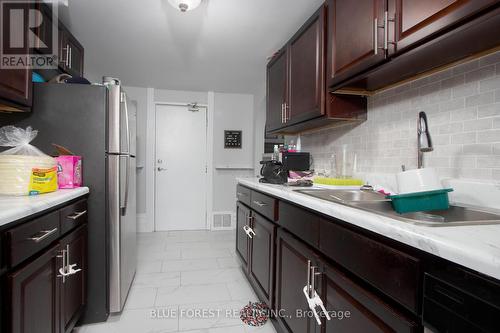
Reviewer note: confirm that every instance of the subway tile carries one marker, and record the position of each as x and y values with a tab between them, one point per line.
496	122
488	136
454	104
438	162
453	81
466	67
497	96
490	59
489	161
451	128
489	84
465	90
475	173
480	99
480	74
465	138
477	124
463	161
491	110
497	71
441	140
496	149
478	149
496	174
464	114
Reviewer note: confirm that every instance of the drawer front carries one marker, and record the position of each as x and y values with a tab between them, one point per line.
243	194
374	262
31	237
300	222
73	216
265	205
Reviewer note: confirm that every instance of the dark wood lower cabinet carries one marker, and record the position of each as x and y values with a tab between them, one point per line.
292	258
46	292
355	310
73	289
242	221
35	295
261	267
352	308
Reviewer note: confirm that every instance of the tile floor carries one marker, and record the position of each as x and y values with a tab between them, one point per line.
186	281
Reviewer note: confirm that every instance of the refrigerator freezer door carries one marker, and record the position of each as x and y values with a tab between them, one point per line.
122	229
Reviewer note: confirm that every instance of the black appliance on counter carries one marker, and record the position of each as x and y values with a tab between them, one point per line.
272	172
296	161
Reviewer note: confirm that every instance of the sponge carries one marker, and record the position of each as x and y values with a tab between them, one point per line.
338	181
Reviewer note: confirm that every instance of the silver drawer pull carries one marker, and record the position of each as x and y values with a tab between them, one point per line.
77	215
260	203
45	234
242	194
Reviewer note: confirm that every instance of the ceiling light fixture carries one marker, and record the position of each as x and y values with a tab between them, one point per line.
185	5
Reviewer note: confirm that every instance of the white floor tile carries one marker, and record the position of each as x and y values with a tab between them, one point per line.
156	280
205	253
212	276
184	270
139	298
229	262
188	265
192	294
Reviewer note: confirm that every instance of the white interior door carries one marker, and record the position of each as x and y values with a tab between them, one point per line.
181	168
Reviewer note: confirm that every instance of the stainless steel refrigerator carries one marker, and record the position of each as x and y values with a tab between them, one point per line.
94	121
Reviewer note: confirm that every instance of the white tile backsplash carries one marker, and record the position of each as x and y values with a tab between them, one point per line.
463	108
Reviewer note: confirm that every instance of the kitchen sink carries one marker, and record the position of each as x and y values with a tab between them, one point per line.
345	195
377	203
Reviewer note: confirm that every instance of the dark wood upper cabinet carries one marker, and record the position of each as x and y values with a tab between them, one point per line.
70	53
416	21
355	39
261	267
276	91
73	289
242	221
15	84
299	72
306	81
367	313
34	297
292	258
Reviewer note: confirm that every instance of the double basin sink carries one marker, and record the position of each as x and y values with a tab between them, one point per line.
375	202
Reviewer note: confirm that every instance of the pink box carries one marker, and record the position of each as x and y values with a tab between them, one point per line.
69	171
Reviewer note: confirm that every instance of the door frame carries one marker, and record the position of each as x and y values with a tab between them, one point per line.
151	152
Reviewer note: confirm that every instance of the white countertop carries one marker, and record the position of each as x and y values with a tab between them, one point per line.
15	208
476	247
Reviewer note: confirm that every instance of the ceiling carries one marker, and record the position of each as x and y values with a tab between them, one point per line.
220	46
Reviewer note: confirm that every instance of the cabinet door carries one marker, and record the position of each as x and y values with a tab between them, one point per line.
307	71
355	42
242	239
73	288
355	310
75	66
418	20
276	91
261	267
15	84
291	278
35	292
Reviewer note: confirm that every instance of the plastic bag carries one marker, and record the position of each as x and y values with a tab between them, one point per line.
19	139
24	169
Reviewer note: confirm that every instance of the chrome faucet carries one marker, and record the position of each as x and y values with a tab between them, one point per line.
424	138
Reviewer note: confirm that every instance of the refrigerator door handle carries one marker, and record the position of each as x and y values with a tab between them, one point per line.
123	99
123	208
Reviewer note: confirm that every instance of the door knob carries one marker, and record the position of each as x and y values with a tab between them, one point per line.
161	169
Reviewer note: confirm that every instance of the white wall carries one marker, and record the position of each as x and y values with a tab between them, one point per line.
259	127
231	112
